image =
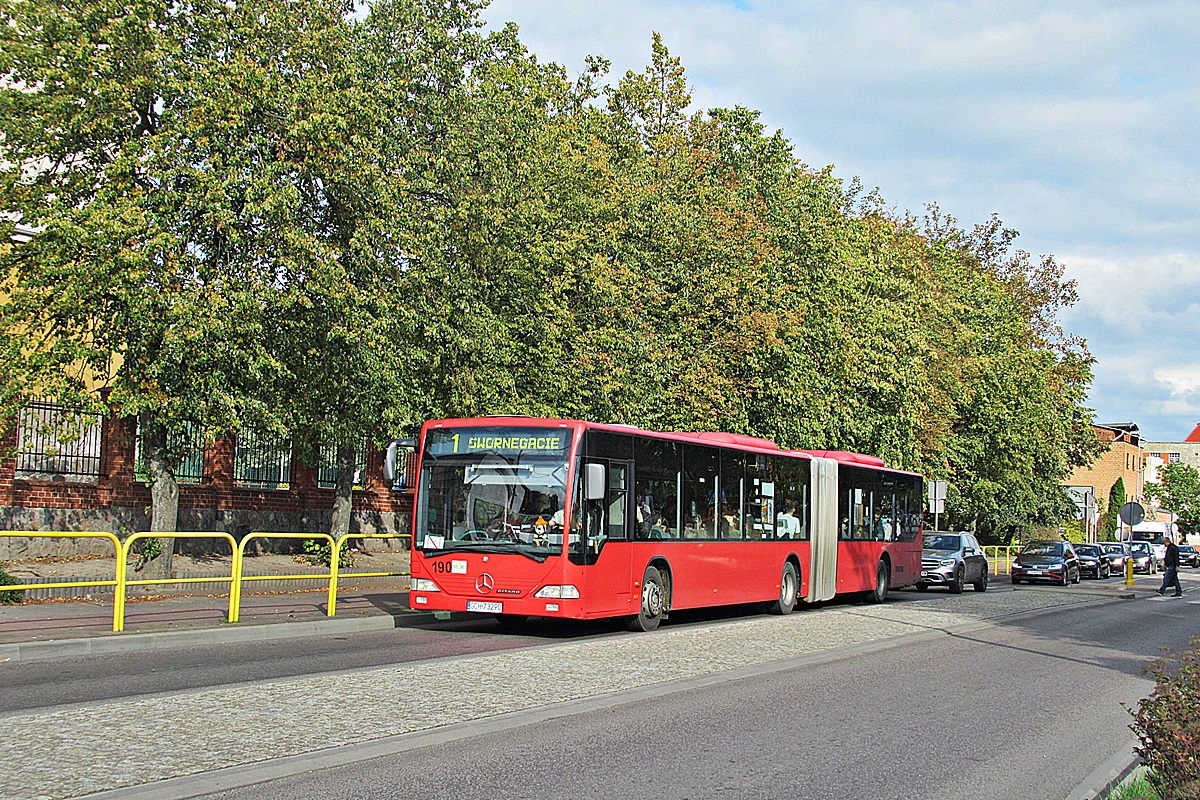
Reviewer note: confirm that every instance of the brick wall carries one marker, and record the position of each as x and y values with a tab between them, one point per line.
117	502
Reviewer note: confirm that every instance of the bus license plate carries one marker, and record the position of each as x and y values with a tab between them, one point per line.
485	607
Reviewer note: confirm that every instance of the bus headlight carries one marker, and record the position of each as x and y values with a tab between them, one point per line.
424	585
565	592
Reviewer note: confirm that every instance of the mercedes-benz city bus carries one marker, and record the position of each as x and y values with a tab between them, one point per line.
522	517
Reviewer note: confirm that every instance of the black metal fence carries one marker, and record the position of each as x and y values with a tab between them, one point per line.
262	461
58	440
327	469
186	445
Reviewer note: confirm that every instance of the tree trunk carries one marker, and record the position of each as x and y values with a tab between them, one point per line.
164	493
343	491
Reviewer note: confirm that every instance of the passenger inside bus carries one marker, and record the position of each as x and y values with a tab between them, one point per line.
787	524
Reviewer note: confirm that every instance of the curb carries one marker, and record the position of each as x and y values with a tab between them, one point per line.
165	640
1108	776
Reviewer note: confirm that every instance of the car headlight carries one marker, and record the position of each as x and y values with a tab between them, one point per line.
948	562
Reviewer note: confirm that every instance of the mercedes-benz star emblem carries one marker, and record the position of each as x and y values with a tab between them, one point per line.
484	583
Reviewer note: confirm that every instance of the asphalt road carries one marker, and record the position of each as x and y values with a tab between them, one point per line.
1025	709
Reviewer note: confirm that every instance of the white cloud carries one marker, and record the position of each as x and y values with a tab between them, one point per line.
1182	380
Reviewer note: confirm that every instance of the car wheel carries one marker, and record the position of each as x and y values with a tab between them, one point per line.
1078	576
1066	578
956	585
981	584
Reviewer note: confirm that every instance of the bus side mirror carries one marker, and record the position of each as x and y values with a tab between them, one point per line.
594	482
389	457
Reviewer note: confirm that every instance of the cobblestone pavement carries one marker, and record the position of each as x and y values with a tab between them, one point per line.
88	748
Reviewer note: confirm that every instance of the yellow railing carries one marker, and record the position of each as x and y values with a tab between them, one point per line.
118	610
123	565
236	578
1000	557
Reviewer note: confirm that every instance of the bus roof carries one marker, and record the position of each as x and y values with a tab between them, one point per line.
738	440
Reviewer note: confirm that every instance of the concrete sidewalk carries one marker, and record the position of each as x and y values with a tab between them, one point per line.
41	630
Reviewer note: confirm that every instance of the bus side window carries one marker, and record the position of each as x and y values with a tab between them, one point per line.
656	486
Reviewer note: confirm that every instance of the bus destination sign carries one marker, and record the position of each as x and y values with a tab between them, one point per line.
505	441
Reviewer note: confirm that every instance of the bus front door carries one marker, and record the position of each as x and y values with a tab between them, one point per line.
608	530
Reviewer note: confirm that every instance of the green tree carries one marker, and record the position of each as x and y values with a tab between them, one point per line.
1110	520
145	159
1178	491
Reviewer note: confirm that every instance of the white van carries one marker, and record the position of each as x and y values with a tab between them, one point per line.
1153	532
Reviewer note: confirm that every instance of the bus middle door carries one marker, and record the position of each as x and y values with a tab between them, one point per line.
608	530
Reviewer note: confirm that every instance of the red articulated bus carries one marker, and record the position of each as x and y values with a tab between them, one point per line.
522	517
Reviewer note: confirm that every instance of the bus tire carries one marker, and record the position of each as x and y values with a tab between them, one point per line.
883	582
653	602
789	588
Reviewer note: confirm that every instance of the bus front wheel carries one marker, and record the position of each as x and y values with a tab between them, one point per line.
789	587
654	602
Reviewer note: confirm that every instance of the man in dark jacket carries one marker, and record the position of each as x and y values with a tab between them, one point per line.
1171	576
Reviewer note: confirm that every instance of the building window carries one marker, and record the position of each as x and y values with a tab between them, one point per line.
1174	458
262	461
56	441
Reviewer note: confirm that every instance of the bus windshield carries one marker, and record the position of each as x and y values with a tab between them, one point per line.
493	490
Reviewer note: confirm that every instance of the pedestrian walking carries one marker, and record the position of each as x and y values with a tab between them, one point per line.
1171	576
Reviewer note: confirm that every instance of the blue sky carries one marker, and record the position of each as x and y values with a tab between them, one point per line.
1076	122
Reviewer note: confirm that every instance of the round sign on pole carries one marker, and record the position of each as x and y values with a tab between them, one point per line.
1132	514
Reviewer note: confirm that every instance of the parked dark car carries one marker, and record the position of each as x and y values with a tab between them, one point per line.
953	560
1046	561
1142	554
1117	553
1092	561
1188	556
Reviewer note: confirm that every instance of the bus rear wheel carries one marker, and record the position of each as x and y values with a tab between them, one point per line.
654	602
789	588
883	582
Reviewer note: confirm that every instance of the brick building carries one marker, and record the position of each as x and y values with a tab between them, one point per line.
91	481
1123	458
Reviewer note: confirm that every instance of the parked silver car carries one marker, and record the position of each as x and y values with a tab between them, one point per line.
953	560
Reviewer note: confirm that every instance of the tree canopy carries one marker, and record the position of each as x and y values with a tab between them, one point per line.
1178	491
287	216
